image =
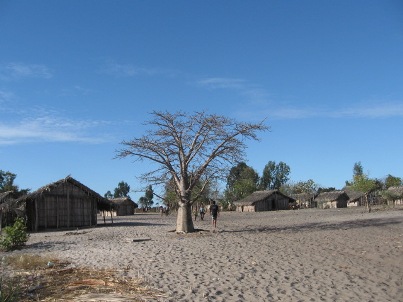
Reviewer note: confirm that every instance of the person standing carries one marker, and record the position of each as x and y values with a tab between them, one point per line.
202	212
214	211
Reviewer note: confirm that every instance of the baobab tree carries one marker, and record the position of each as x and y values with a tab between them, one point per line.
191	150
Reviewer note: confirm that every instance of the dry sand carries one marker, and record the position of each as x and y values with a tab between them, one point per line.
302	255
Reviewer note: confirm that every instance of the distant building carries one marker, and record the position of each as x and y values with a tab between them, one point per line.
397	193
122	206
264	201
333	199
355	198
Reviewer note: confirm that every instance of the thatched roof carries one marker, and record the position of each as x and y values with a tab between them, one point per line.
303	196
101	200
120	200
398	190
6	196
258	196
8	203
330	196
352	194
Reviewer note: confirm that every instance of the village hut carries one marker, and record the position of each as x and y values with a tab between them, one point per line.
395	194
122	206
355	198
305	200
333	199
66	203
264	201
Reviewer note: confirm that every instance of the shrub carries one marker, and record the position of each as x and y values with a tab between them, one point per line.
14	236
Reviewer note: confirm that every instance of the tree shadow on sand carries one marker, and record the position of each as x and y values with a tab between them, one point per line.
117	224
321	226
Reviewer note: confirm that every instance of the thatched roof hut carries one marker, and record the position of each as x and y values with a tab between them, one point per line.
264	201
396	194
333	199
66	203
123	206
355	198
398	190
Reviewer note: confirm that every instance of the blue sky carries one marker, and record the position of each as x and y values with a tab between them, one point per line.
78	77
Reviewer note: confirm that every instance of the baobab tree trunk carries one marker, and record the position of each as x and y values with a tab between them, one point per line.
184	222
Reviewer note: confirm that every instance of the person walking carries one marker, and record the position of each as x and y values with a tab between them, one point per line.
214	211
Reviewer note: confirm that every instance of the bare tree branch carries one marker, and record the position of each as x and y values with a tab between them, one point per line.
189	147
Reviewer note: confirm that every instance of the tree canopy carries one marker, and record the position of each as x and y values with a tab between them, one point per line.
7	184
242	181
274	175
392	181
147	201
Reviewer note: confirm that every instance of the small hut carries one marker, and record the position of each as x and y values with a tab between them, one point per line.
66	203
396	193
264	201
333	199
123	206
355	198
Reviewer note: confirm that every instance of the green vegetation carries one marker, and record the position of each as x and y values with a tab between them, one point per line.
14	236
9	290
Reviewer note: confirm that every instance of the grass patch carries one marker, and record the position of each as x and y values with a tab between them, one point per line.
28	261
47	279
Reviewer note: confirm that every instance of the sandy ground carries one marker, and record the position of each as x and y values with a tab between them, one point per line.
302	255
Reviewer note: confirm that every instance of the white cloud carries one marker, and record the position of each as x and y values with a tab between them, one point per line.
14	71
260	104
372	110
6	96
49	129
222	83
76	90
369	110
128	70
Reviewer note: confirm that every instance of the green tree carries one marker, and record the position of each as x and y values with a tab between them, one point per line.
242	181
146	201
170	197
392	181
363	183
150	195
122	190
358	170
328	189
108	195
7	184
190	150
274	175
268	176
14	236
143	202
308	186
